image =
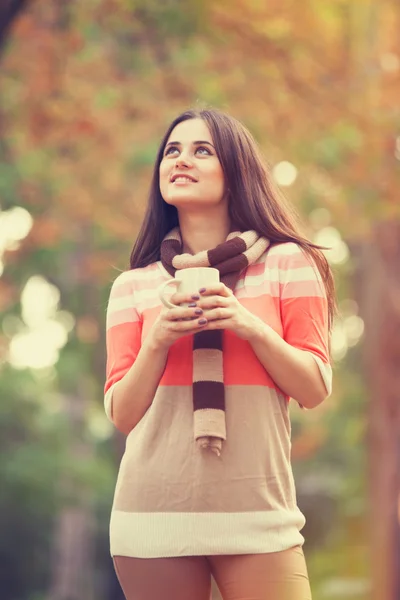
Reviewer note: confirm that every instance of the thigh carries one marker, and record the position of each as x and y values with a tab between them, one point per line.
273	576
180	578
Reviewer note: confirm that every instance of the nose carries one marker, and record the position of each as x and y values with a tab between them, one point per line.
183	161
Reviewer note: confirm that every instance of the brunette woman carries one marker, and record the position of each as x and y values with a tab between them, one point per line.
242	348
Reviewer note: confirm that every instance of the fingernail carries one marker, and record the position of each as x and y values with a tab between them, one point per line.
198	311
196	297
202	321
202	290
192	304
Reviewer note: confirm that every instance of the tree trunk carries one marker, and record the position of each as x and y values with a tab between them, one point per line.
72	558
379	300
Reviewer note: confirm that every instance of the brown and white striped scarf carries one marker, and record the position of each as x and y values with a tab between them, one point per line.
240	250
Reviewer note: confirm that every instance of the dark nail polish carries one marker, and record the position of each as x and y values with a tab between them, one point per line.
196	297
202	321
202	290
198	311
192	304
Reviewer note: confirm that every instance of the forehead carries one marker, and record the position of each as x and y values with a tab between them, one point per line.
190	131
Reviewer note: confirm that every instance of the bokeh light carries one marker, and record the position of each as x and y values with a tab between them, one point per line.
338	251
15	224
43	331
284	173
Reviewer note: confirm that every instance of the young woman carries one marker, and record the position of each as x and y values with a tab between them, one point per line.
245	346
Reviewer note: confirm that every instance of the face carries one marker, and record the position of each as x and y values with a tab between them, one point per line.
190	172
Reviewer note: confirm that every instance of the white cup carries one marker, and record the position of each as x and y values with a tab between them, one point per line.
189	281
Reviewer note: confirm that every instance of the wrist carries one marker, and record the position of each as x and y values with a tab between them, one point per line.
258	331
155	346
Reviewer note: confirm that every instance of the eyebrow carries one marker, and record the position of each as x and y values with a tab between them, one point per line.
197	143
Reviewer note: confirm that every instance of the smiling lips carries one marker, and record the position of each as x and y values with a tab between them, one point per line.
178	178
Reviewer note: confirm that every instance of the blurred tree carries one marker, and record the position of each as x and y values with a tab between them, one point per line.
379	298
9	10
31	446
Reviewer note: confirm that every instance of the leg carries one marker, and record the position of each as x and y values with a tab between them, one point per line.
180	578
273	576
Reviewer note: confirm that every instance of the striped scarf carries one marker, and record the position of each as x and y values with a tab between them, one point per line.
230	258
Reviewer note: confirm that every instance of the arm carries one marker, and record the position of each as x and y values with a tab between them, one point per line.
298	363
294	371
134	393
133	370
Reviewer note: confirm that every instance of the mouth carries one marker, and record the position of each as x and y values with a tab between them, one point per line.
182	179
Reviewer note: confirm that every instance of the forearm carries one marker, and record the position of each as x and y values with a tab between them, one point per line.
294	371
134	393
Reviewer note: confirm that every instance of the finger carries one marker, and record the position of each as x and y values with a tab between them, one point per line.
220	324
179	313
179	299
187	326
218	314
213	301
216	288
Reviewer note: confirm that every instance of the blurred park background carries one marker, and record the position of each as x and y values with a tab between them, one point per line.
87	89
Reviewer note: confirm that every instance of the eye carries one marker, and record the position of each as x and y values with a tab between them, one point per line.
170	150
204	148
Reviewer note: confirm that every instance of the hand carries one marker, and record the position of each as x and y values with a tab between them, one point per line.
174	323
223	311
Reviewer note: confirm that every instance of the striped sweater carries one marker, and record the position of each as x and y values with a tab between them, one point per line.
171	499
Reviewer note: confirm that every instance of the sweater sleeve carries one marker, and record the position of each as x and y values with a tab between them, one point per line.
123	335
304	308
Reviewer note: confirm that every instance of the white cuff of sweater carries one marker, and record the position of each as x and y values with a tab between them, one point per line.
108	401
326	373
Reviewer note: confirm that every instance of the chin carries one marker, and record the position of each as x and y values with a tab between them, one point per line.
179	201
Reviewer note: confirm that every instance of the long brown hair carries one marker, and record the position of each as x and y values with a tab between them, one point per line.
254	201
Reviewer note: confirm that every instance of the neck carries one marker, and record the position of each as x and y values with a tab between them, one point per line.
202	232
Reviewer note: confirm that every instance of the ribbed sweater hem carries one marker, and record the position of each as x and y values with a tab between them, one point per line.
161	535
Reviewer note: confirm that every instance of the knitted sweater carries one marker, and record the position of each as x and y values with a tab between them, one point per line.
171	498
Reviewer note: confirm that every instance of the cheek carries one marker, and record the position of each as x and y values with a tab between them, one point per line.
219	179
216	185
216	176
163	173
219	175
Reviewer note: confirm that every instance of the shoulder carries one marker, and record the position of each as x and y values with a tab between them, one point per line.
289	255
287	252
129	290
296	269
137	279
